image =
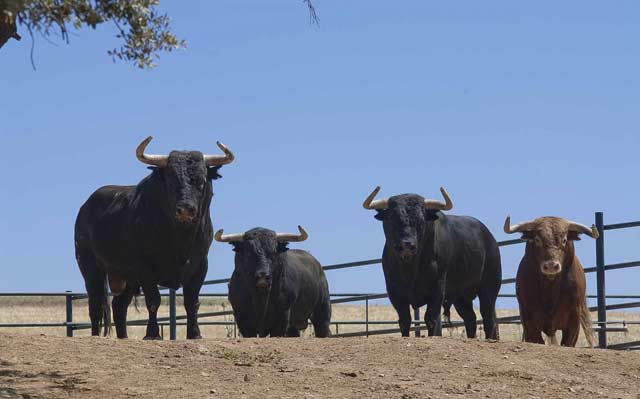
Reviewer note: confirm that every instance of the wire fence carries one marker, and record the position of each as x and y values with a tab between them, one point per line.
174	320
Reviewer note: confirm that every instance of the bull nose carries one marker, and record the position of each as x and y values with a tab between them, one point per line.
263	276
551	267
405	245
185	212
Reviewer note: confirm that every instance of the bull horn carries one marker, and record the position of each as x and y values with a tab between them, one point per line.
293	237
379	205
581	228
219	160
439	205
518	228
155	160
220	237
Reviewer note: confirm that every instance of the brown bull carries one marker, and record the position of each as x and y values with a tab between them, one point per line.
550	284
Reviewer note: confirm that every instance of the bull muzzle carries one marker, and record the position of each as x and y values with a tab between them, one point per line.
185	214
406	249
263	281
551	268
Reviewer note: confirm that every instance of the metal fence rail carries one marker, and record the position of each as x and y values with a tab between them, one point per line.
173	320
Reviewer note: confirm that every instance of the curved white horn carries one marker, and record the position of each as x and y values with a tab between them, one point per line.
379	205
218	160
220	237
293	237
439	205
518	228
155	160
581	228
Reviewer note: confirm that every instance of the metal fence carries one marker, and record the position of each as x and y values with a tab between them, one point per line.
173	320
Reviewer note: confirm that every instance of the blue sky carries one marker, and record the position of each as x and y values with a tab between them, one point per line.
522	108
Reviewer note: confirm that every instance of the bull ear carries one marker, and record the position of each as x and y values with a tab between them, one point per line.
380	215
212	172
431	214
283	246
237	246
528	236
573	236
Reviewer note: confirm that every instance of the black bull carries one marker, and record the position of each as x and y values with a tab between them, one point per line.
274	291
157	232
434	259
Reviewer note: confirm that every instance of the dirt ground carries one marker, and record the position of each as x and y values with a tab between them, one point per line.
39	366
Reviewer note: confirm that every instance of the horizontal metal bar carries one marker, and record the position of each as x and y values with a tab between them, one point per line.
588	296
6	294
510	242
352	264
611	329
10	325
624	345
359	298
218	281
617	226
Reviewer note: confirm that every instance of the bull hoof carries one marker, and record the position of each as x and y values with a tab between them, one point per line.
195	337
156	338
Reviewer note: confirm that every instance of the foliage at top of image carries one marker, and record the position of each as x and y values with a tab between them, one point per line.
143	31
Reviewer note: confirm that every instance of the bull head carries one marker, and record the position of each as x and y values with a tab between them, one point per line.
405	218
186	176
551	240
257	253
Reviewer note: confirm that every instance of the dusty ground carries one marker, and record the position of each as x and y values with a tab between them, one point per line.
39	366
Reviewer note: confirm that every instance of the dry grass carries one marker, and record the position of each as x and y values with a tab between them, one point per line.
48	309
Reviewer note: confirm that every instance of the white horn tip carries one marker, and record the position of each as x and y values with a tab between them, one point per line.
303	232
507	225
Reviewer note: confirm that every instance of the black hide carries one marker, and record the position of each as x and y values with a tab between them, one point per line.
434	259
274	291
136	237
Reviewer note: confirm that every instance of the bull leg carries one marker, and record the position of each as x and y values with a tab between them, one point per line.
120	304
246	325
531	332
293	332
191	301
280	327
432	316
321	319
152	300
96	285
464	307
571	333
404	317
488	312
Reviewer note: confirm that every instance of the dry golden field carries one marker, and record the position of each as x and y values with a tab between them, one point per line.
52	309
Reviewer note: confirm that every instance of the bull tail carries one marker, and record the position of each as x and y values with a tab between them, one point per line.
106	310
446	313
585	322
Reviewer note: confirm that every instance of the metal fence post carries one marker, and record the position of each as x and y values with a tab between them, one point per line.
172	314
600	274
69	305
366	315
416	319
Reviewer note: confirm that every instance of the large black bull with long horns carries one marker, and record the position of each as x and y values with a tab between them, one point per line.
157	232
434	259
273	290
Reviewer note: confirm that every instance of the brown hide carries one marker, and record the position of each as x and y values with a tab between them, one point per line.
550	303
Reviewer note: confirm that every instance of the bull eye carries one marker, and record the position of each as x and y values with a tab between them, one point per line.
564	241
538	241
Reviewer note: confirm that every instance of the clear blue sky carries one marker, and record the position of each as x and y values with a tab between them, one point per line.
527	108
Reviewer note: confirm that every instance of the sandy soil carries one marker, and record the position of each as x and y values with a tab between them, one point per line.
40	366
